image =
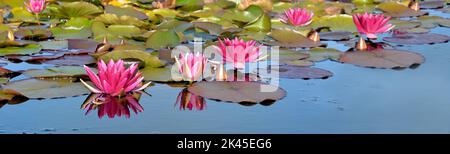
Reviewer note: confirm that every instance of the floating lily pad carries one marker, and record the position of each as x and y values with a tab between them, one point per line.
286	54
128	11
291	38
43	89
57	72
417	38
383	58
336	35
26	50
213	28
237	91
113	19
341	22
75	28
163	38
321	54
404	24
54	45
262	24
72	60
163	74
35	58
32	34
148	59
432	4
11	97
77	9
395	9
306	73
81	46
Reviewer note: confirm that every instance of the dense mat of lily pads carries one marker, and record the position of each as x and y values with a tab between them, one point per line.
88	46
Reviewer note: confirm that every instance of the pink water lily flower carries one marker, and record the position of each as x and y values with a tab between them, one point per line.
190	101
113	106
238	51
35	6
372	24
297	17
191	65
114	79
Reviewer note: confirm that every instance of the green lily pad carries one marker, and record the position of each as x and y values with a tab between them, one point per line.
146	57
262	24
321	54
237	91
163	74
45	89
16	50
341	22
213	28
57	72
21	14
163	38
114	33
77	9
33	34
75	28
126	11
404	24
291	38
113	19
395	9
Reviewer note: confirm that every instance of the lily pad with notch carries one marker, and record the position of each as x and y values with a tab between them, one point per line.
237	91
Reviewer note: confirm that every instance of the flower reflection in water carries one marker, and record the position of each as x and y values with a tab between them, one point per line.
113	106
187	100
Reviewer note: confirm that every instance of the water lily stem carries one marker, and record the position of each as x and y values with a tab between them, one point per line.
37	18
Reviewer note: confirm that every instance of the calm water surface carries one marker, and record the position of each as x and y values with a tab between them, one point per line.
354	100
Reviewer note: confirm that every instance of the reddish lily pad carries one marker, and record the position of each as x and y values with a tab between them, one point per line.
432	4
383	58
417	38
306	73
36	58
336	35
237	91
44	89
72	60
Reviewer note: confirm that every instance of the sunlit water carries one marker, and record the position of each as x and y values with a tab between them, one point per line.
354	100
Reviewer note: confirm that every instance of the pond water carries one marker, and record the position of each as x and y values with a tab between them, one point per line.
353	100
